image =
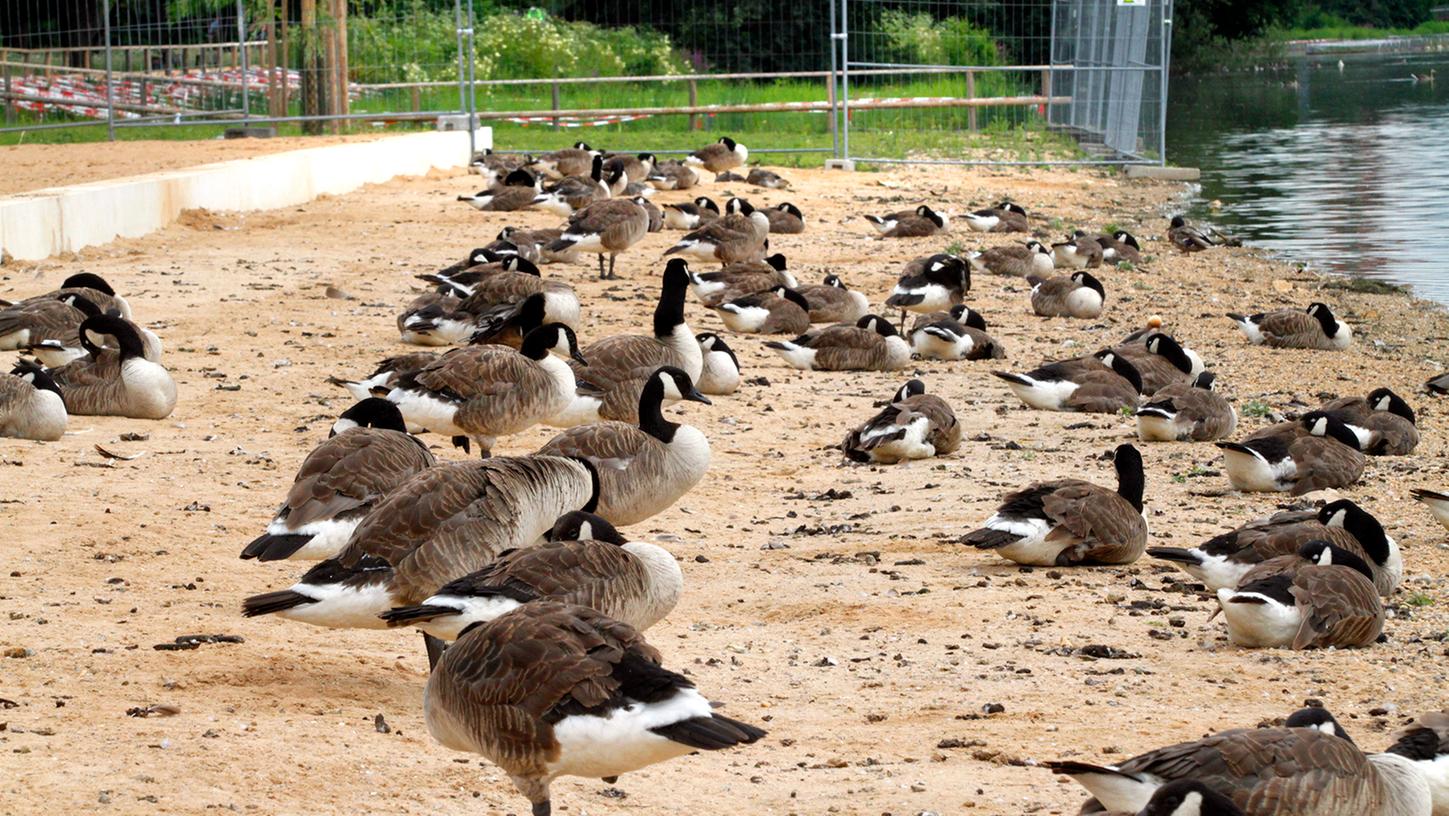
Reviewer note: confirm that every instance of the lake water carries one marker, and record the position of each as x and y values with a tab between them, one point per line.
1347	170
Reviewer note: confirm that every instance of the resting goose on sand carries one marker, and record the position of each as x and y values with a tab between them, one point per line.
740	279
918	223
586	562
1318	452
31	406
760	177
1319	597
1078	295
931	284
1311	328
88	285
1161	360
55	348
570	161
832	302
1186	412
517	191
1104	383
646	468
720	157
870	344
1189	797
959	334
785	219
691	214
575	192
915	425
739	235
552	690
1120	246
1070	522
115	381
1384	413
366	455
1079	251
672	175
635	168
780	310
720	373
1004	217
1031	259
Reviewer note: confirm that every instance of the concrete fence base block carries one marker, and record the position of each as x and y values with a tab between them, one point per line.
42	223
848	165
1150	171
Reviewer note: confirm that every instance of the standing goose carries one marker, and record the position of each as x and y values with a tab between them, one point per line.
915	425
1078	295
31	406
1265	771
760	177
1079	251
1004	217
574	193
785	219
1189	797
88	285
1186	412
931	284
1312	328
1161	360
552	690
959	334
585	562
870	344
517	192
1031	259
691	214
443	523
605	227
1120	246
740	235
1102	384
1070	522
1382	412
918	223
115	382
634	168
1438	503
672	175
1327	600
831	302
1326	456
386	375
775	311
720	373
499	295
720	157
740	279
484	392
646	468
619	365
1223	560
571	161
367	454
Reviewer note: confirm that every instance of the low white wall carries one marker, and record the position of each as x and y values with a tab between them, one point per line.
41	223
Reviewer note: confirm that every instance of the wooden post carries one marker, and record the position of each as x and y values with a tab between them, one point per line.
344	99
693	101
555	103
830	97
9	102
417	98
284	76
1046	91
311	68
971	94
141	85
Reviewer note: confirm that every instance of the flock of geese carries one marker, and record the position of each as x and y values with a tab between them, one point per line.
532	602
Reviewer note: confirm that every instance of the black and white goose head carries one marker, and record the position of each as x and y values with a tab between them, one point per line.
93	332
667	383
1319	423
787	207
1317	718
1325	317
1189	797
707	203
1125	237
791	295
967	316
373	412
834	281
877	324
1039	248
1123	368
552	338
1090	281
1370	534
1382	399
520	264
36	375
581	525
939	219
1009	206
912	388
1205	380
1167	347
88	280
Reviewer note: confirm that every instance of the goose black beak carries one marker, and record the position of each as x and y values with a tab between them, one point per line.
695	396
578	358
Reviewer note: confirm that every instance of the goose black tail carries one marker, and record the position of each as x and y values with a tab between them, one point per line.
274	547
269	603
404	615
1174	554
710	733
989	539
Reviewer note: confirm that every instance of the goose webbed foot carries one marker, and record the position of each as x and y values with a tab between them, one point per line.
544	808
464	443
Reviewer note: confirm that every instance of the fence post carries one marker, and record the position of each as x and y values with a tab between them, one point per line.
9	101
971	94
246	77
693	101
844	80
110	85
417	99
830	90
555	103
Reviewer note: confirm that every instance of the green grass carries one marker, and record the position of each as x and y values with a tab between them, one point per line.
1352	32
1256	408
1419	599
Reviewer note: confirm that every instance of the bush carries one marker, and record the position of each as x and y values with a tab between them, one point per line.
923	40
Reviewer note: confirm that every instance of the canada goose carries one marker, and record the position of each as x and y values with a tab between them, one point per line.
740	279
367	454
724	155
605	227
1070	522
634	168
1078	295
498	300
915	425
1079	251
1186	412
1317	718
870	344
88	285
56	348
1224	559
386	375
831	302
739	235
531	245
643	469
720	373
1161	360
1328	456
552	690
115	382
1120	246
618	365
691	214
775	311
1189	797
1004	217
453	278
484	392
1425	742
1438	385
931	284
573	193
1328	600
571	161
917	223
1382	412
1438	503
517	192
435	320
442	523
785	219
1312	328
959	334
47	319
1018	260
1266	771
586	562
672	175
31	406
760	177
1104	387
495	166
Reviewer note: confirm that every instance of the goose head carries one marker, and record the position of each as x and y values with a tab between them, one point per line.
36	375
967	316
674	383
1207	381
81	303
1324	554
553	338
739	206
520	178
1361	524
1319	423
518	263
1090	281
1317	718
1166	347
1382	399
373	412
791	209
1008	206
1189	797
728	142
583	146
931	215
1324	315
912	388
1038	247
1125	237
88	280
834	280
580	525
128	340
877	324
1122	367
707	203
791	295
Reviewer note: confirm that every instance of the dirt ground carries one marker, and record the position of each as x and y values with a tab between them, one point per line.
36	166
825	601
